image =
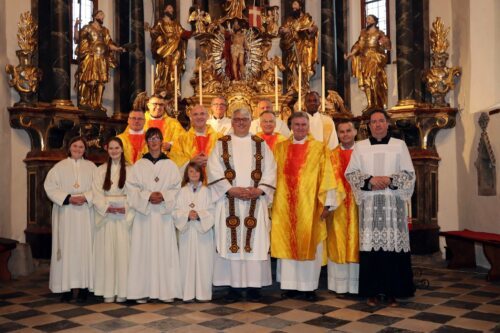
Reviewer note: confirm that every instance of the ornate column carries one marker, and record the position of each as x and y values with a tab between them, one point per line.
137	58
328	43
61	52
405	53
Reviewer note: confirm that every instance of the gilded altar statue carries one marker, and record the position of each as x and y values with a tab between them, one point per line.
439	79
234	9
168	46
25	77
299	43
95	53
368	63
201	20
270	20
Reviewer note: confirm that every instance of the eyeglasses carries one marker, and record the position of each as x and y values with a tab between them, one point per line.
154	139
240	120
219	104
136	118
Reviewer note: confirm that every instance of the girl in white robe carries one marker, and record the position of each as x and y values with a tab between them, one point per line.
69	186
113	219
193	216
153	183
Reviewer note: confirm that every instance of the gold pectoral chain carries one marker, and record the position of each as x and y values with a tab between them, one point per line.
233	221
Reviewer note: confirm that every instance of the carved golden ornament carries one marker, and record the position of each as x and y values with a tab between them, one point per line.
27	33
439	36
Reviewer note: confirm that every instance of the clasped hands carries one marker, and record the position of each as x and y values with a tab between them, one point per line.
380	182
200	159
77	200
156	198
193	215
116	210
245	193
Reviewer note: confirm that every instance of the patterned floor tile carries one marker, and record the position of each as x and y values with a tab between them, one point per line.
272	310
319	308
494	317
123	312
222	311
221	323
348	314
299	315
395	330
249	328
10	326
327	322
113	325
75	312
173	311
453	329
56	326
416	325
274	322
433	317
356	327
92	318
380	320
23	314
461	304
472	324
39	320
143	317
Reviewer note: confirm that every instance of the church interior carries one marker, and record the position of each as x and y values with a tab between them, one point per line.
452	129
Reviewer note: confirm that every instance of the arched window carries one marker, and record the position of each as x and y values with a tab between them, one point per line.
379	8
81	9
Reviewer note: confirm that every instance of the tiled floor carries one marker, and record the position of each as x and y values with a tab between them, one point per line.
454	302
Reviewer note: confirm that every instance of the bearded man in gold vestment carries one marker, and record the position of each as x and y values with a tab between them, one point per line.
368	61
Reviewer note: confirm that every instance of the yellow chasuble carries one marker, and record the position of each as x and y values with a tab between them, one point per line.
343	228
186	147
305	175
170	127
133	149
272	140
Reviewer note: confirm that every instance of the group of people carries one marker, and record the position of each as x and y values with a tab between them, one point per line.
173	212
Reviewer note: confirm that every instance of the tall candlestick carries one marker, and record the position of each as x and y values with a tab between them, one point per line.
152	79
323	91
300	88
175	88
200	82
276	88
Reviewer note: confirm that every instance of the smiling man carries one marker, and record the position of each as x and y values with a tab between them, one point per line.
305	192
134	143
196	144
242	174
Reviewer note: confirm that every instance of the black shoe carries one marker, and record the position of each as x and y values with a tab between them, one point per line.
291	294
233	295
253	295
67	296
310	296
82	295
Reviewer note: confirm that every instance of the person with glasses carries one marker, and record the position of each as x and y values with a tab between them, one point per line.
154	270
156	116
134	143
241	176
218	120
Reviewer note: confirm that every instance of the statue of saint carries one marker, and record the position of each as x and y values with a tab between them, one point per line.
299	43
368	63
168	46
95	57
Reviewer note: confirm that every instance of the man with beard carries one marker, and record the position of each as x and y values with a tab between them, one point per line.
95	57
299	43
168	45
368	61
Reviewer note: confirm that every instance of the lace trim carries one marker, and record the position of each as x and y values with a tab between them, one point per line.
357	181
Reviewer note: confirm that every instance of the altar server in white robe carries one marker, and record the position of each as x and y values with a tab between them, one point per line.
69	186
321	126
242	175
193	216
113	219
154	270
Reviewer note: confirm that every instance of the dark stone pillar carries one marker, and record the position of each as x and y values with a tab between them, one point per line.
328	44
60	45
137	58
405	52
341	74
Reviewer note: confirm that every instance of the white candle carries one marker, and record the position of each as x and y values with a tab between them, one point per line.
175	88
300	88
200	82
323	91
409	210
276	88
152	79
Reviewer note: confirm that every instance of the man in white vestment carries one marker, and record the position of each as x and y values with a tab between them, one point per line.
321	126
218	119
266	105
154	270
382	178
242	175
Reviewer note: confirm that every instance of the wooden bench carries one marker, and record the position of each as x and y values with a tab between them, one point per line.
6	247
460	250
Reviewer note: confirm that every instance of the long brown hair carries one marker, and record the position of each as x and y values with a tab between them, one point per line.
106	186
197	167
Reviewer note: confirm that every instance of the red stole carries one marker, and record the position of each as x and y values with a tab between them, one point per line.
201	144
158	123
270	139
137	142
